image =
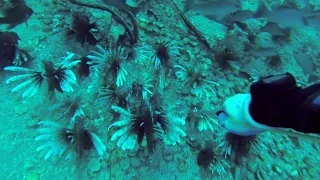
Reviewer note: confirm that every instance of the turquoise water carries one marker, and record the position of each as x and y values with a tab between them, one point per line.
173	153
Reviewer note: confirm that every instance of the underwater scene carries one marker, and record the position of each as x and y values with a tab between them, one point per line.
160	89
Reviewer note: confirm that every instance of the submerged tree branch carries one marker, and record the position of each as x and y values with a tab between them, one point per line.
191	27
132	33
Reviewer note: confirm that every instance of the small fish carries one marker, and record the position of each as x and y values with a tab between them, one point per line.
306	64
231	25
8	48
241	16
287	17
216	10
275	30
243	26
280	40
280	36
122	5
263	52
237	18
314	19
16	15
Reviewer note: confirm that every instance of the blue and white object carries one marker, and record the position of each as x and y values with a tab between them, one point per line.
235	116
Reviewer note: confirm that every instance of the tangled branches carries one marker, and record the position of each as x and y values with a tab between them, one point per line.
131	32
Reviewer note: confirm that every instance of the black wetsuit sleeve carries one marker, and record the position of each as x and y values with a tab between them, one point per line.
308	117
282	104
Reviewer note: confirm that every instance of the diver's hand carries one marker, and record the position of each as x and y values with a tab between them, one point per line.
274	103
235	116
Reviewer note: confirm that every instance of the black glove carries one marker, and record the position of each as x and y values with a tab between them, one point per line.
277	101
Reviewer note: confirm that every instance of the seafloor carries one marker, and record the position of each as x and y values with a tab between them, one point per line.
278	156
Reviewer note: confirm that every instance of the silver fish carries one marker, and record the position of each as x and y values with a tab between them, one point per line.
306	64
314	19
287	17
121	4
263	52
240	16
237	18
216	10
275	30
